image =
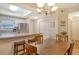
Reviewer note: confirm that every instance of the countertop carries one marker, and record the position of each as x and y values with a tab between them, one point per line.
5	36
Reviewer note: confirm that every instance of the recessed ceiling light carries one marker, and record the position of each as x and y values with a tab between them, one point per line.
38	10
35	17
13	8
54	8
51	4
40	4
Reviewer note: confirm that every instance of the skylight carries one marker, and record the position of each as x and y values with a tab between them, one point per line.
13	8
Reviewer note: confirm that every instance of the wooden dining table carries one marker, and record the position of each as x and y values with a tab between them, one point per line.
52	47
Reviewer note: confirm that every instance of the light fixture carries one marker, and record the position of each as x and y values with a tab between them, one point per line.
13	8
46	8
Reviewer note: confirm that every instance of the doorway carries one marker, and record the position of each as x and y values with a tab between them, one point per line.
74	28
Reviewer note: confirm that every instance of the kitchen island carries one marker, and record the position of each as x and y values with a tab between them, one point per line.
7	41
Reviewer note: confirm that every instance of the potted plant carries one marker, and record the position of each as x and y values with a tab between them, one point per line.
64	33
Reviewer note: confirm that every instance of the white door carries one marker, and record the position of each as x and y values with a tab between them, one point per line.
47	29
44	28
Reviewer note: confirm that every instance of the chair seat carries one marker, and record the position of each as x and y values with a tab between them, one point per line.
31	50
31	41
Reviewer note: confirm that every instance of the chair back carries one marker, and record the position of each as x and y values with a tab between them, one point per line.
58	37
39	39
61	37
19	48
71	48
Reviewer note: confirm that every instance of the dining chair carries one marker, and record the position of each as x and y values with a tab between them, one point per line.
61	37
71	48
66	38
19	48
32	40
58	37
31	50
39	39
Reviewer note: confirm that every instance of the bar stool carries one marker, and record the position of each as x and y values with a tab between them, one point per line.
39	39
31	50
19	48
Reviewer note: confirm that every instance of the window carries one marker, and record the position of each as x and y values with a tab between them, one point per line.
7	25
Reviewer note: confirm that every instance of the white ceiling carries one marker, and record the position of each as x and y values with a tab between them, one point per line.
27	8
33	6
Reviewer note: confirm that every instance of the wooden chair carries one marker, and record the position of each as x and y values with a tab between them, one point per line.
66	38
39	39
70	49
19	48
58	37
32	40
31	50
61	37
